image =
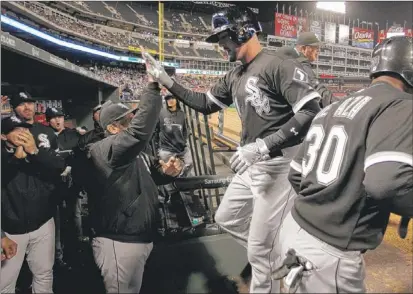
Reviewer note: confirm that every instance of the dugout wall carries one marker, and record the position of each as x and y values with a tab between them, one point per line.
48	77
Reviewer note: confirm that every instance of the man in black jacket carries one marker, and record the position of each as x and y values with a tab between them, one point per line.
172	134
306	52
68	217
30	170
124	196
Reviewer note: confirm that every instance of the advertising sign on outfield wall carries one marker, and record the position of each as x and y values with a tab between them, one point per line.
394	31
289	26
363	38
330	32
315	27
343	34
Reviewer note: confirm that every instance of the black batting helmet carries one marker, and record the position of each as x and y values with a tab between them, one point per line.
240	23
394	55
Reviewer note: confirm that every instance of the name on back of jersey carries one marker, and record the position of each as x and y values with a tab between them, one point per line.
348	108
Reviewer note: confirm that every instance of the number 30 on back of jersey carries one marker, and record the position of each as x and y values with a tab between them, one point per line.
325	153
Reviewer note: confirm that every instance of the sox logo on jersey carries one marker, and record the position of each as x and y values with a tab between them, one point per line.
44	141
169	123
258	100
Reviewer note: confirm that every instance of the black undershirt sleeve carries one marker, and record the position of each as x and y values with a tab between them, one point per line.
294	130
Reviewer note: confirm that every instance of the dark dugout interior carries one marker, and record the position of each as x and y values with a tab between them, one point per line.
79	94
197	265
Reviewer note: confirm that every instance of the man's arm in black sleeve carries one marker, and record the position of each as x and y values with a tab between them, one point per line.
388	163
185	131
391	181
157	131
90	137
217	98
129	143
292	81
49	158
326	95
8	158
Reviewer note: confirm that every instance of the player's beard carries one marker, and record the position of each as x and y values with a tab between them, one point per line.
232	55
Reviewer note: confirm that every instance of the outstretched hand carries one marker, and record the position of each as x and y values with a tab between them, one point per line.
155	70
173	167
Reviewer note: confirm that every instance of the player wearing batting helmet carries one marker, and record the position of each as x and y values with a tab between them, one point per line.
353	169
276	105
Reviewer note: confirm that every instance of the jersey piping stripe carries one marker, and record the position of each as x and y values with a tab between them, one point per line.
304	100
296	166
386	156
215	100
145	160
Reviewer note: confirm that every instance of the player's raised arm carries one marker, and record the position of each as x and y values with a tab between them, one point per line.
389	163
217	98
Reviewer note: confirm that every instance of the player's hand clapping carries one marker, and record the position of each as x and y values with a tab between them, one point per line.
27	141
19	153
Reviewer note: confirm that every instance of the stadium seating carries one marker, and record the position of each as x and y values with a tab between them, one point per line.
181	39
178	24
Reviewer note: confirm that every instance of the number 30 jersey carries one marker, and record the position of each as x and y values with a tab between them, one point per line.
371	127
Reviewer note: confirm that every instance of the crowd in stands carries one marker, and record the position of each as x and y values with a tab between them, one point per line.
176	21
83	28
147	38
135	79
118	38
147	15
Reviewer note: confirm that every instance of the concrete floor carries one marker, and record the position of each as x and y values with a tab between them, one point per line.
389	267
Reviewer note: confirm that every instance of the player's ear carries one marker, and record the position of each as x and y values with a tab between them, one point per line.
113	129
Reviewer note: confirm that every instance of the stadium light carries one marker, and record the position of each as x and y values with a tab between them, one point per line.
338	7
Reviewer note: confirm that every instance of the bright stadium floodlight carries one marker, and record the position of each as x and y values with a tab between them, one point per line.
338	7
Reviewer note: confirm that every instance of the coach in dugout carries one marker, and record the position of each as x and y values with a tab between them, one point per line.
30	170
68	217
124	195
306	52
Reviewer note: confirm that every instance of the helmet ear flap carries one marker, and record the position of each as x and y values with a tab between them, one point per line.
245	33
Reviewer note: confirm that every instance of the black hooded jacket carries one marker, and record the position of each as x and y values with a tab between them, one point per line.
28	186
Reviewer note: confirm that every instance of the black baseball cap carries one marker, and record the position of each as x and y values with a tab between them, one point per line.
111	112
98	107
8	124
169	96
308	39
52	112
19	98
